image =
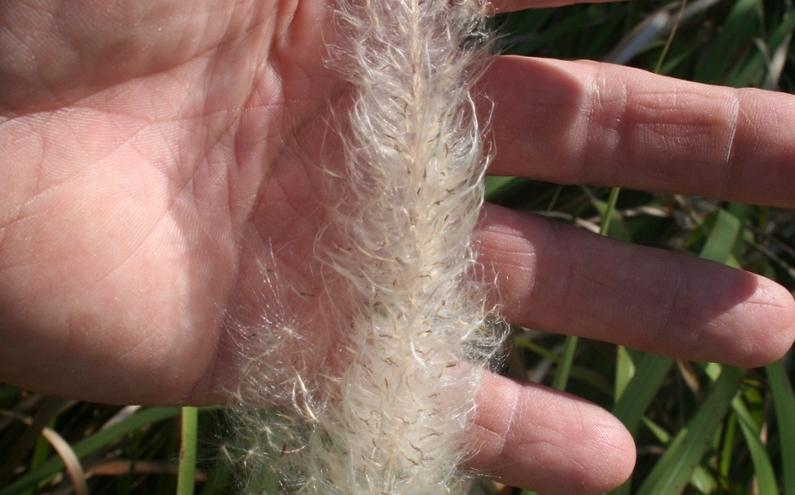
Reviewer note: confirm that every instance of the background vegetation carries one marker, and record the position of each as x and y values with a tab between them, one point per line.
699	427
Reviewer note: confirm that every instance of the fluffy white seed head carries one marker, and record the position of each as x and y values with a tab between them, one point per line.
388	414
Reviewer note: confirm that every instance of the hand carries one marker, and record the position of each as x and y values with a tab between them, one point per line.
156	154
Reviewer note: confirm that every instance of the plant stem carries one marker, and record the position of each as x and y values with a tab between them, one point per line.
187	451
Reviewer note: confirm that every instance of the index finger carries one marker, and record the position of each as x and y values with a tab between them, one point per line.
600	124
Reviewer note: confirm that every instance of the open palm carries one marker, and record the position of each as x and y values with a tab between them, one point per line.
161	158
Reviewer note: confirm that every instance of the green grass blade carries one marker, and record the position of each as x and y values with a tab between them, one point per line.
89	445
41	451
641	390
537	349
495	186
670	39
637	396
563	29
703	481
739	28
574	371
748	71
658	431
781	33
566	359
727	449
625	370
784	404
187	451
671	474
528	21
612	224
607	214
722	237
757	63
759	456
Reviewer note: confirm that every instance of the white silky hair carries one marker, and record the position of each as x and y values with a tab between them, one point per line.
391	418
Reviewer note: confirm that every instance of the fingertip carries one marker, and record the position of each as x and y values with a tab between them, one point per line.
770	312
540	439
617	461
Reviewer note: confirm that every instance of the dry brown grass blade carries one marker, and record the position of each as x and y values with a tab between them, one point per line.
49	408
70	460
689	375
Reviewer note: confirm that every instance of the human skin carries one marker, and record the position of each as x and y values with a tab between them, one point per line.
154	153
